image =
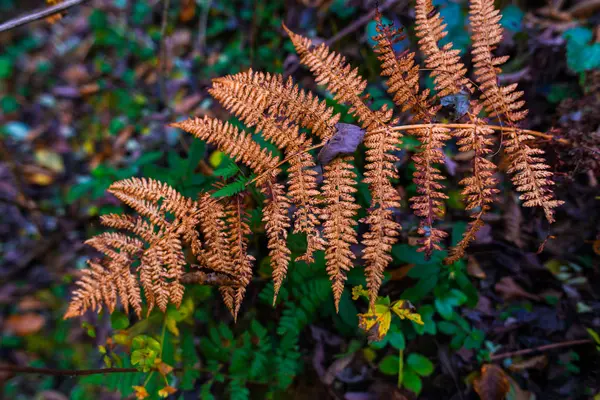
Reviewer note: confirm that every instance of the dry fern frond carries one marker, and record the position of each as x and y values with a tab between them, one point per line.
239	146
403	81
480	187
448	72
252	107
402	72
428	204
237	235
338	226
158	247
217	232
331	69
236	143
530	172
275	216
284	99
102	284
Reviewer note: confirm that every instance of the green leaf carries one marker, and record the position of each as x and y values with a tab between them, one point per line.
389	365
119	320
594	335
429	326
396	339
445	301
6	67
229	170
239	185
411	381
582	54
447	328
512	18
420	364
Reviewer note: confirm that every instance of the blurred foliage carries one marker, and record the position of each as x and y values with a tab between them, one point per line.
118	131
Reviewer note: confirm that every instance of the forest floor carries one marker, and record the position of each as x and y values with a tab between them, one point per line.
85	100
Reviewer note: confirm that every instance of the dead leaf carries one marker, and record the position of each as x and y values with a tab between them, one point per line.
336	367
509	290
344	141
516	393
187	103
162	367
49	160
188	10
30	303
24	324
537	362
37	175
399	273
492	384
474	269
513	220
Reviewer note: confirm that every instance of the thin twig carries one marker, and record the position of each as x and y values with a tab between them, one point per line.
359	23
61	372
523	352
37	15
163	53
201	41
365	19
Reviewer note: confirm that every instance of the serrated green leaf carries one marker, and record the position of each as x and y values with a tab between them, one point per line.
239	185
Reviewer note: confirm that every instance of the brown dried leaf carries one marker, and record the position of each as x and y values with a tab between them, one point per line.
344	141
24	324
509	289
492	384
537	362
474	269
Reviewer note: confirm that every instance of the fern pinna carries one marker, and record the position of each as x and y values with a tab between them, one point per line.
215	229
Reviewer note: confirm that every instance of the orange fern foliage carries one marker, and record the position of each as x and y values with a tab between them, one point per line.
240	146
252	107
380	140
216	230
529	170
404	82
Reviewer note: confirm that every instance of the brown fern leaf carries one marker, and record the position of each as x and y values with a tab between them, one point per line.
428	204
218	255
238	231
530	171
93	290
251	106
234	142
480	187
403	82
136	225
285	99
448	72
240	146
144	196
275	216
380	140
338	215
402	72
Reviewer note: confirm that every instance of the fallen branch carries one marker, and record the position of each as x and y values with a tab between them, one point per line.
37	15
62	372
523	352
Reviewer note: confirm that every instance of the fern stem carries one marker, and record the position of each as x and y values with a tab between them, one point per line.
494	127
